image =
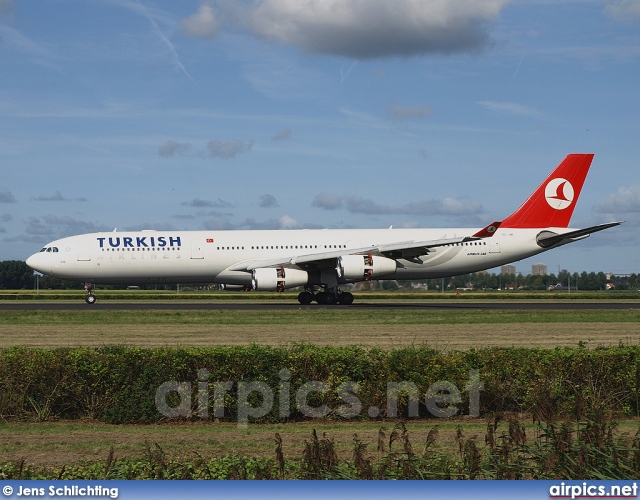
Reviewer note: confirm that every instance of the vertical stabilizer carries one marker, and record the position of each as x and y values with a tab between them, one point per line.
552	204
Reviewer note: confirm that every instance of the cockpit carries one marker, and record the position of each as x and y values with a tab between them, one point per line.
49	249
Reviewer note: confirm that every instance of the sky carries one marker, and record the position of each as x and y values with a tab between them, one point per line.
284	114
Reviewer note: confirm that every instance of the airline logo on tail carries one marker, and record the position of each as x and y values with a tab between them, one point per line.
559	193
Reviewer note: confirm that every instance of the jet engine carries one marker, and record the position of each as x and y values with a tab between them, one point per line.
277	278
363	267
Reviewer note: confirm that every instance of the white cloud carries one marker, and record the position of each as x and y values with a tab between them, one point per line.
360	29
158	226
284	222
268	201
199	203
623	205
327	201
287	222
52	226
624	202
57	196
202	24
623	10
358	205
7	197
229	149
170	148
218	225
283	134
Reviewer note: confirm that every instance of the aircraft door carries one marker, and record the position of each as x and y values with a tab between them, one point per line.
196	249
84	253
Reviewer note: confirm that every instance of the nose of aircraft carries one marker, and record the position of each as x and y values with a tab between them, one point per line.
35	262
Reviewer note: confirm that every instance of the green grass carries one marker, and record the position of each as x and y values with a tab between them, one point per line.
320	316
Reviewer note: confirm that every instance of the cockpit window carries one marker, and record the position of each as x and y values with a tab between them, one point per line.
44	249
55	249
49	249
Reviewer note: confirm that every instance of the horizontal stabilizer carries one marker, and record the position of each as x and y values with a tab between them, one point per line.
547	239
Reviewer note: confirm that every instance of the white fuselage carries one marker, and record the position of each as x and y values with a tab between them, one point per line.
205	256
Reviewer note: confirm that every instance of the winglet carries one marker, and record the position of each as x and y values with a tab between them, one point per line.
552	204
489	231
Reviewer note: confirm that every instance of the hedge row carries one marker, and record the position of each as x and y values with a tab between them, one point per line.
118	384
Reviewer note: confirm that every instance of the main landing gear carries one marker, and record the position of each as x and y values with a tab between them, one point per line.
326	297
90	298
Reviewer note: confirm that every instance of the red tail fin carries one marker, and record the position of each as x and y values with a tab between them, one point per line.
552	204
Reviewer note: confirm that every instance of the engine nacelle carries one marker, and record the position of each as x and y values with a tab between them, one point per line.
364	267
277	279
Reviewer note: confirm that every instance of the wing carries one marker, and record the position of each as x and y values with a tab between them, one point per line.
400	250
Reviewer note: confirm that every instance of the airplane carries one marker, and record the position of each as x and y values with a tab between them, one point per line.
321	260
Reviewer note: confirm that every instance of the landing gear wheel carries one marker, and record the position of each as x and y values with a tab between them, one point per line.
326	298
345	298
305	298
90	299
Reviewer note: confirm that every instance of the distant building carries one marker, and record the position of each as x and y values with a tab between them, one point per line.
539	269
508	269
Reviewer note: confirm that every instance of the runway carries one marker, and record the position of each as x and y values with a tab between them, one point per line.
112	305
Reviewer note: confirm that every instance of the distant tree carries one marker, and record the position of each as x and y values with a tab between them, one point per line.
49	283
389	285
540	282
15	275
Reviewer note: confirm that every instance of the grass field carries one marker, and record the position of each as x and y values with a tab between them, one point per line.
56	443
440	328
59	443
